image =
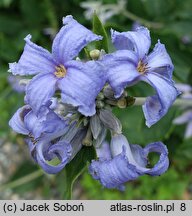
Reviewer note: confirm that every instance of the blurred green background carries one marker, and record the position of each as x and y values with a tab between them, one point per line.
168	20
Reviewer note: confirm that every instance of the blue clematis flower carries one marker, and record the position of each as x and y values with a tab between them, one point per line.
49	137
79	82
186	117
131	64
127	162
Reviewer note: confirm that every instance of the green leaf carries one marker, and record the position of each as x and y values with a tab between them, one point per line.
185	150
99	29
179	28
74	169
135	129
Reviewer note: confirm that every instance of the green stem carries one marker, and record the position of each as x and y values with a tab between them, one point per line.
22	180
133	17
67	193
179	102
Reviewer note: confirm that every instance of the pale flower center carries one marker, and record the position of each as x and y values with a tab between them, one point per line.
60	71
141	67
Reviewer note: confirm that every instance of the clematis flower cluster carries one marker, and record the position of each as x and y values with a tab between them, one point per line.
69	101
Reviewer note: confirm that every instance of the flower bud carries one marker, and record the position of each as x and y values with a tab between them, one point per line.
108	92
100	96
87	141
101	137
122	103
94	54
110	121
95	125
99	104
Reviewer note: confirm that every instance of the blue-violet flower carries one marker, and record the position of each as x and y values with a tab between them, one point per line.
50	137
131	64
79	82
127	162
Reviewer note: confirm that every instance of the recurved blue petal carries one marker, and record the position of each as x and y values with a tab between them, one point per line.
121	70
136	158
40	90
71	39
104	152
157	105
113	173
17	120
33	124
128	163
53	124
159	61
34	59
45	151
138	155
138	41
81	85
162	165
